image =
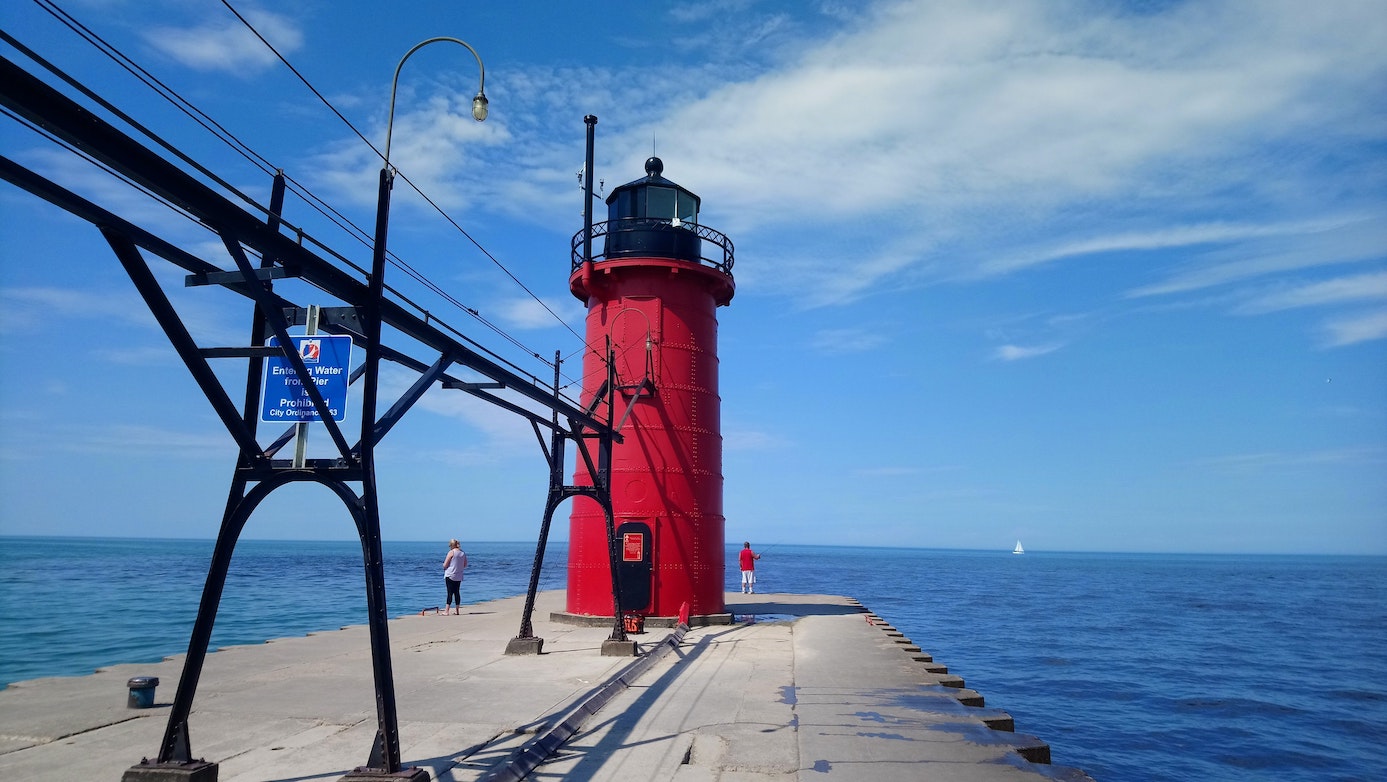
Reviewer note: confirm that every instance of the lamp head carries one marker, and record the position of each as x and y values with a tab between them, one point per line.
479	107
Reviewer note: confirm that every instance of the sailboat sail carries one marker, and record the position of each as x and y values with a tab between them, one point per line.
1018	549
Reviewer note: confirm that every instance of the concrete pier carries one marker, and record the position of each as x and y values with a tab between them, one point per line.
798	687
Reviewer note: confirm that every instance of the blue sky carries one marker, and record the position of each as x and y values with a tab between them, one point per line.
1094	275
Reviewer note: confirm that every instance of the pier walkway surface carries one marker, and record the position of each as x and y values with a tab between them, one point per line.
799	687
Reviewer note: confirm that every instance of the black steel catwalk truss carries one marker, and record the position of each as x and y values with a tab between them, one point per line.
363	312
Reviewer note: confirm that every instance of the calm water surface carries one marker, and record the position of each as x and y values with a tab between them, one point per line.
1132	667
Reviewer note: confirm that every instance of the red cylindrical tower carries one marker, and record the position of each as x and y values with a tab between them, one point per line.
654	295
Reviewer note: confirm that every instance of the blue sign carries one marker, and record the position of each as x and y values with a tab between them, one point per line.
328	359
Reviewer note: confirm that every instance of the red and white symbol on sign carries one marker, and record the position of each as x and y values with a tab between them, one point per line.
631	545
310	350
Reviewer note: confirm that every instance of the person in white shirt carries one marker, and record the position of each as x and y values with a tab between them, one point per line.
453	565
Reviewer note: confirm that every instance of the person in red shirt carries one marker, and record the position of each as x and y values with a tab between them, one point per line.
748	563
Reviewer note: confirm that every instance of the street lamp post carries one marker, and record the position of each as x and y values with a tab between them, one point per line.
479	103
385	753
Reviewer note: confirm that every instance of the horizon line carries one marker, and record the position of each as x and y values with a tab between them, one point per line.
765	547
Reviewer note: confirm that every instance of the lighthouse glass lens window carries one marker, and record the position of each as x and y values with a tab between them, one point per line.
688	208
660	203
622	207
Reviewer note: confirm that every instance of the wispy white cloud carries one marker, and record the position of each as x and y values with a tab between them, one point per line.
1355	288
710	11
138	439
1352	329
39	307
497	432
1277	250
851	340
1213	234
1019	352
738	439
114	195
531	313
1254	277
149	356
917	74
990	129
1264	460
227	45
479	454
435	143
897	471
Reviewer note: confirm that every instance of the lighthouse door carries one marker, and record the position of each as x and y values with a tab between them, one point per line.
634	569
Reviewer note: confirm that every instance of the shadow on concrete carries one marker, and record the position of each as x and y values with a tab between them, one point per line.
493	761
621	724
793	608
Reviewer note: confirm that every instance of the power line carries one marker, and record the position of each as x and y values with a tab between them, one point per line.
245	150
412	185
178	210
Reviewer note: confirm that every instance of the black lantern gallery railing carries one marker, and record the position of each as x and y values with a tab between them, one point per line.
655	237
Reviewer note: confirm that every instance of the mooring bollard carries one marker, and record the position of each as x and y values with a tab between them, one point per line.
142	691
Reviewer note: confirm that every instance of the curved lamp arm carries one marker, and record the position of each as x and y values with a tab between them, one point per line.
479	103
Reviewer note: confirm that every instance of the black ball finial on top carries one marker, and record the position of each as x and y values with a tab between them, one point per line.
654	166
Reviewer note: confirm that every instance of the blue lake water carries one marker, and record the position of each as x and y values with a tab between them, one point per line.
1132	667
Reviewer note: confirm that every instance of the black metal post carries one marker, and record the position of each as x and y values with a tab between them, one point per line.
176	746
603	484
555	496
591	122
258	325
385	754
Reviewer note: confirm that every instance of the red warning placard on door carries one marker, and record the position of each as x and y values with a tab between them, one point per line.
631	545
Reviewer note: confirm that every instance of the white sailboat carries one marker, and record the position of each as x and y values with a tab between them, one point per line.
1018	549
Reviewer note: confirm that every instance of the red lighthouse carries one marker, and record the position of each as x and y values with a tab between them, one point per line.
653	291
